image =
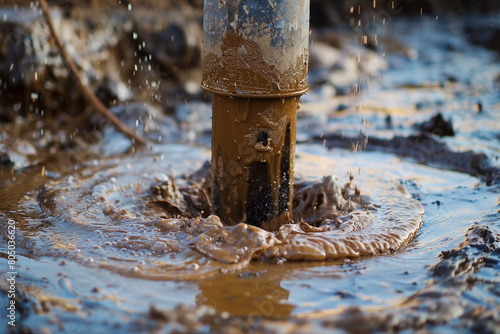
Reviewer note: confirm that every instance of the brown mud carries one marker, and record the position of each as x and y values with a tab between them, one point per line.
347	230
115	239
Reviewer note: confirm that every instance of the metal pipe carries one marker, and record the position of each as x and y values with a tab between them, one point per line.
255	65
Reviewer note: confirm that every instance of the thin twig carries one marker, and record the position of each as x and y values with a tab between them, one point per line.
88	95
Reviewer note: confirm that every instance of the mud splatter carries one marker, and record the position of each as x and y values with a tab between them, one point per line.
108	210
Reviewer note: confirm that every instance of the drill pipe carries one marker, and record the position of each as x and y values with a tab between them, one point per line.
255	64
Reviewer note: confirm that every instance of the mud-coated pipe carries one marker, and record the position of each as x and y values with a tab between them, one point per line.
255	65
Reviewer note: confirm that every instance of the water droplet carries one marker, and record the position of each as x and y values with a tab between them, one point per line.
159	246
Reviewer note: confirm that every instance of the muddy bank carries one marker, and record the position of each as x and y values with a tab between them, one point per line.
107	4
426	150
152	54
124	56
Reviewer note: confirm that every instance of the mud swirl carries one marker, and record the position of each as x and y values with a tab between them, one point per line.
105	218
364	234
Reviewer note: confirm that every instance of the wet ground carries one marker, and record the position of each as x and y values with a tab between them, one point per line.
99	251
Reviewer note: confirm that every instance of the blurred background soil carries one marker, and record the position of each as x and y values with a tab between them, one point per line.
411	86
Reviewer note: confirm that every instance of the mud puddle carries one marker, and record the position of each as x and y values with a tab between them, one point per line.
81	268
96	255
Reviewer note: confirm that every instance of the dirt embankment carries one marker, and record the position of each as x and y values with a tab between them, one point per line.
109	4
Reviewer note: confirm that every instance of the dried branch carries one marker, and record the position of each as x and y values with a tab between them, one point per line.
88	95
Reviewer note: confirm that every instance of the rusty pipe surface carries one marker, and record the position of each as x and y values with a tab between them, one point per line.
255	64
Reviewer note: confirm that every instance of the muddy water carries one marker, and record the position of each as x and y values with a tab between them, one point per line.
89	241
97	253
106	217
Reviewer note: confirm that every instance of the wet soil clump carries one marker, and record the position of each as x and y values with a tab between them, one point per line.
439	126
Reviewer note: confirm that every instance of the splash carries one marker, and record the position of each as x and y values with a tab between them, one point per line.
105	219
362	232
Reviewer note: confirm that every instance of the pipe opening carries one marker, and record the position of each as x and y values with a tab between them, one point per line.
262	138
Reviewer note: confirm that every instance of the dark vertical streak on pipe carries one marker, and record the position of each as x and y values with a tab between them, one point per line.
284	192
216	185
259	195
